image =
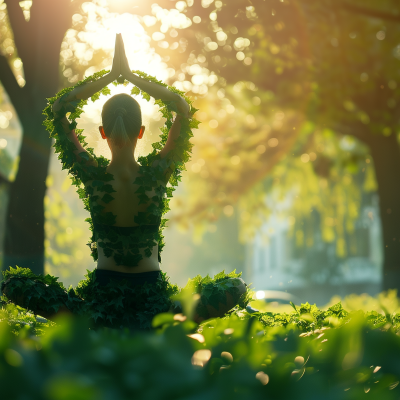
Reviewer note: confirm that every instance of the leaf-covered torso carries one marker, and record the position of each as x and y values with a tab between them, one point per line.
94	183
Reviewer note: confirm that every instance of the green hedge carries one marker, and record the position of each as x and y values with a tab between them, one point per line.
304	354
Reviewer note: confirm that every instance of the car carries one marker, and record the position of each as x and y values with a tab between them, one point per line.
277	296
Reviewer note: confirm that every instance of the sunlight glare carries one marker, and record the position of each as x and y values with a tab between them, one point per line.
200	357
100	34
260	294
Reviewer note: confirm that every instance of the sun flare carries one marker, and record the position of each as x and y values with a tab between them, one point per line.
100	33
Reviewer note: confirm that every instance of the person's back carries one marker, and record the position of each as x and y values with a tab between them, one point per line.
126	203
126	207
126	200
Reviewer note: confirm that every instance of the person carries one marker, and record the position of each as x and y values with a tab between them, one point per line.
125	209
126	201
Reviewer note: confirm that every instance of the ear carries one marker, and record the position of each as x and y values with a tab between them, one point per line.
101	130
141	132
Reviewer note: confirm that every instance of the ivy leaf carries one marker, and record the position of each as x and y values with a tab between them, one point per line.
108	189
143	199
107	251
135	90
96	315
107	198
106	91
97	183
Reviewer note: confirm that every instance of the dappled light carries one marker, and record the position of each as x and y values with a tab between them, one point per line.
200	357
257	152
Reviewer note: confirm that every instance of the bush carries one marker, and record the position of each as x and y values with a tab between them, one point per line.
305	354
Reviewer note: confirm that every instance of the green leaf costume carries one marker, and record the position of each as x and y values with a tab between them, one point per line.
93	184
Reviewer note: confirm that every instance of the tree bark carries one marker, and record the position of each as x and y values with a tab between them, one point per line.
24	237
38	43
386	154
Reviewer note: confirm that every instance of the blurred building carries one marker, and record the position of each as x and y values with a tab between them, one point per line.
316	273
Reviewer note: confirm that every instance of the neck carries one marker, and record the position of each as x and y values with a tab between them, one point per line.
123	156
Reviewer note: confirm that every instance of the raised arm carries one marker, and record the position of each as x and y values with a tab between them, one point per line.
65	104
159	92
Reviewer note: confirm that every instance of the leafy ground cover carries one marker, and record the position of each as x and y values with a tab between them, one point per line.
305	353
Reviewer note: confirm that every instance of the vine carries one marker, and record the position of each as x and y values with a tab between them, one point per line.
91	180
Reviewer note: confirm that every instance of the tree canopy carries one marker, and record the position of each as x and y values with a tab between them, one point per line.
320	70
297	100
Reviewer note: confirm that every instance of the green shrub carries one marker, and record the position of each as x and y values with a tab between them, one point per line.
305	354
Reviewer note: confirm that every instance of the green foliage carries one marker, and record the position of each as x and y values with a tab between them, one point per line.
21	321
34	292
321	183
213	290
327	191
119	305
198	283
94	179
306	354
115	305
273	59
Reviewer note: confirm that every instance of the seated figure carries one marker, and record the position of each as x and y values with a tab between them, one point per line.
126	200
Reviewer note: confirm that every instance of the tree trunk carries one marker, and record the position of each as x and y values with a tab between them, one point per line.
386	154
24	238
38	43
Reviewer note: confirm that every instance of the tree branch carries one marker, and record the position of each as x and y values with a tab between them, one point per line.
49	33
10	84
371	12
20	27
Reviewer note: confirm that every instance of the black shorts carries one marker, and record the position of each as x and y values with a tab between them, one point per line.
104	276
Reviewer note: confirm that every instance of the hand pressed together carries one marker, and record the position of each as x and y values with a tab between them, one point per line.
125	70
120	66
116	65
